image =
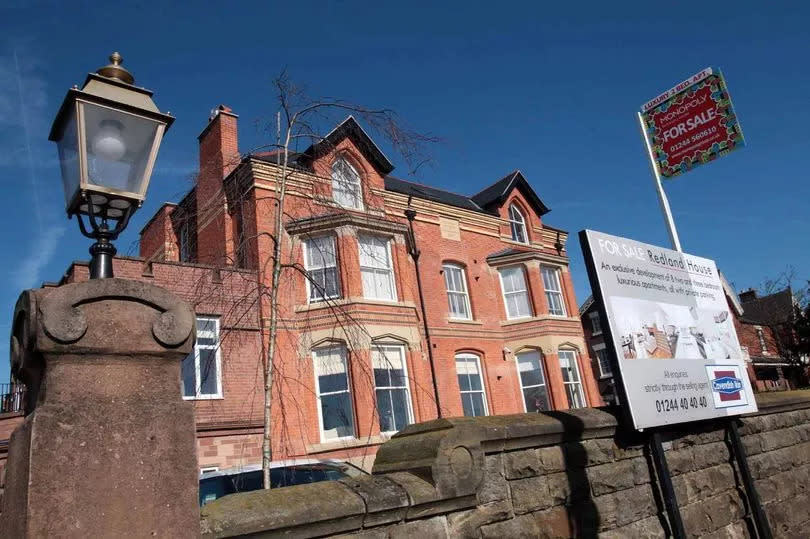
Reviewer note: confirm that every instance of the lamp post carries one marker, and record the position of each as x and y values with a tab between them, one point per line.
107	134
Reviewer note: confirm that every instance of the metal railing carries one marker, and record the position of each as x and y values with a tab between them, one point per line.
12	398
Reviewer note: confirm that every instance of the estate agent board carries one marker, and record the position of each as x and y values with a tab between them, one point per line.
672	334
691	124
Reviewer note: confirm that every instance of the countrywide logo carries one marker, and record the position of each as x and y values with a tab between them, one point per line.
727	385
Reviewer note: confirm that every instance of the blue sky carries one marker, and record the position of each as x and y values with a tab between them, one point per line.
549	88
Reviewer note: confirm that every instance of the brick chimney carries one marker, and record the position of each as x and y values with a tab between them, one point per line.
219	156
748	295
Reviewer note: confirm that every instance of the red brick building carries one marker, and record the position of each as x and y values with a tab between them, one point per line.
356	359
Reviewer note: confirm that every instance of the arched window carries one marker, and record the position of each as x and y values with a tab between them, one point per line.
571	378
518	224
532	380
346	189
391	387
471	385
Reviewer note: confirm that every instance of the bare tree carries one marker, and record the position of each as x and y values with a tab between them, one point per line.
301	122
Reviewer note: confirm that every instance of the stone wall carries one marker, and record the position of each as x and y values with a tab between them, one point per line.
556	474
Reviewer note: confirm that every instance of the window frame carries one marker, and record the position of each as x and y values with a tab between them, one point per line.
306	246
517	223
467	356
547	291
578	383
184	253
525	290
352	168
218	359
378	346
596	323
391	272
602	374
345	356
763	346
542	373
451	266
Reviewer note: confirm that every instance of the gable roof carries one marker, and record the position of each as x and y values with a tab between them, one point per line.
349	128
772	309
496	193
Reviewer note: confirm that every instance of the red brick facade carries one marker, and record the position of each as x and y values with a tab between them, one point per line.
231	212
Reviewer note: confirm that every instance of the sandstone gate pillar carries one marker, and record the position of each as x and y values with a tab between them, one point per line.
108	447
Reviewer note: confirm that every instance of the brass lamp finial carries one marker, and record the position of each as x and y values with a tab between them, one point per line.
115	70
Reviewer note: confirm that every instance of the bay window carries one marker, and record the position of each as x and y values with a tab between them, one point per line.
553	289
515	292
376	268
320	261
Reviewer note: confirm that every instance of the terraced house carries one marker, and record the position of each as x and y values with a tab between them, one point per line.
398	301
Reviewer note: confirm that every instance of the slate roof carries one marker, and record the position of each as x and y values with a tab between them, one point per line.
430	193
507	252
771	309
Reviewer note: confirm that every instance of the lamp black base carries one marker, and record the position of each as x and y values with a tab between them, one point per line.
102	253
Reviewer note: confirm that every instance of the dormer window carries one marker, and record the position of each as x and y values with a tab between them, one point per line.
518	224
346	190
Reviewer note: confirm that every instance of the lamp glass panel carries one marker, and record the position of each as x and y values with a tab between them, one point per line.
68	148
118	149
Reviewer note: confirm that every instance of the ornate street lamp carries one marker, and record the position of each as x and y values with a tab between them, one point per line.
108	135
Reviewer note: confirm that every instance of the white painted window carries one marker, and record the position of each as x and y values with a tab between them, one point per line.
320	260
457	297
346	189
554	297
471	385
596	323
376	269
532	381
604	363
201	369
391	387
515	292
518	224
335	413
571	378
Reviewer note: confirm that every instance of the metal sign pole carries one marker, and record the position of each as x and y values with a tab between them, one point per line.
662	196
656	447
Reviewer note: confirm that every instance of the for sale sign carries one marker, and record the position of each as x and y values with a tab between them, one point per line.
669	330
691	124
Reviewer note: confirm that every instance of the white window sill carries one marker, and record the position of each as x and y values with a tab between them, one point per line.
539	318
465	321
605	376
204	398
596	333
360	301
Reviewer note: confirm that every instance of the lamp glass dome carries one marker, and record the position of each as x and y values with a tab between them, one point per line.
120	148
